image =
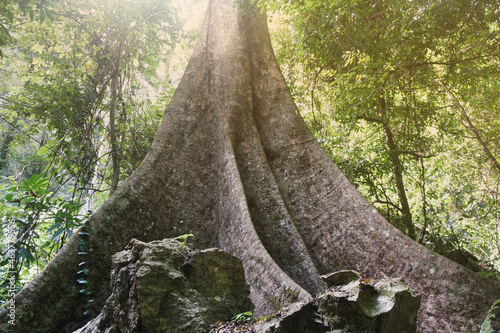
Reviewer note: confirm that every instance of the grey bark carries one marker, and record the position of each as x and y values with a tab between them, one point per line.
234	164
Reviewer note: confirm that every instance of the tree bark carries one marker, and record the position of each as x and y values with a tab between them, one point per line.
234	164
398	170
113	132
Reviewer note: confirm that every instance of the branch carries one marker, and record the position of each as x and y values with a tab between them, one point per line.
388	203
91	189
372	119
20	130
442	63
415	154
473	128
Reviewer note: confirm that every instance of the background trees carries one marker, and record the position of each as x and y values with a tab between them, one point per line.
80	101
404	97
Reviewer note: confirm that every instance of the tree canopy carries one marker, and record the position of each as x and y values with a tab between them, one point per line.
404	96
80	103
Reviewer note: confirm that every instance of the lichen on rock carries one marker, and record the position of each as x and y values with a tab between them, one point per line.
162	287
387	305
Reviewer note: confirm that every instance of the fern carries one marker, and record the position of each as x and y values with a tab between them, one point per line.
486	325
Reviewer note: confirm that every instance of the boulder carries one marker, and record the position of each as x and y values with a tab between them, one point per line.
160	286
298	317
464	258
370	306
340	278
351	305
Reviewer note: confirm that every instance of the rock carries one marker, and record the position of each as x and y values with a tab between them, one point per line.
365	306
464	258
298	317
340	278
381	306
161	287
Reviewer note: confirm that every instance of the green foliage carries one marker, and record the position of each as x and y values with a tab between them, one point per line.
244	316
486	325
67	81
15	10
404	91
82	274
40	222
183	240
56	110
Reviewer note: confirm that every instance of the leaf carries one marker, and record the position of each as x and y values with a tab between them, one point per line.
33	179
43	151
10	16
4	30
54	227
57	234
50	14
92	96
26	253
52	142
42	16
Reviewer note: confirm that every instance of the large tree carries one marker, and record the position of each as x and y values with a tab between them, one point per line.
234	164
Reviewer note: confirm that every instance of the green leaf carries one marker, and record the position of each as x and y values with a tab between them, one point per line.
92	96
10	16
33	179
26	253
42	15
50	14
57	234
54	227
43	151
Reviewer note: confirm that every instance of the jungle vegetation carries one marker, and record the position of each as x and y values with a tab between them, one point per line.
403	95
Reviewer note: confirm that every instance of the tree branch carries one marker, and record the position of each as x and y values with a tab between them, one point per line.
472	127
415	154
372	119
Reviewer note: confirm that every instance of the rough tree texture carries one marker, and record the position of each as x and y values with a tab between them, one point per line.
235	164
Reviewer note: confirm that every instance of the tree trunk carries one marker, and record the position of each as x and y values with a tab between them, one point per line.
113	132
398	170
234	164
